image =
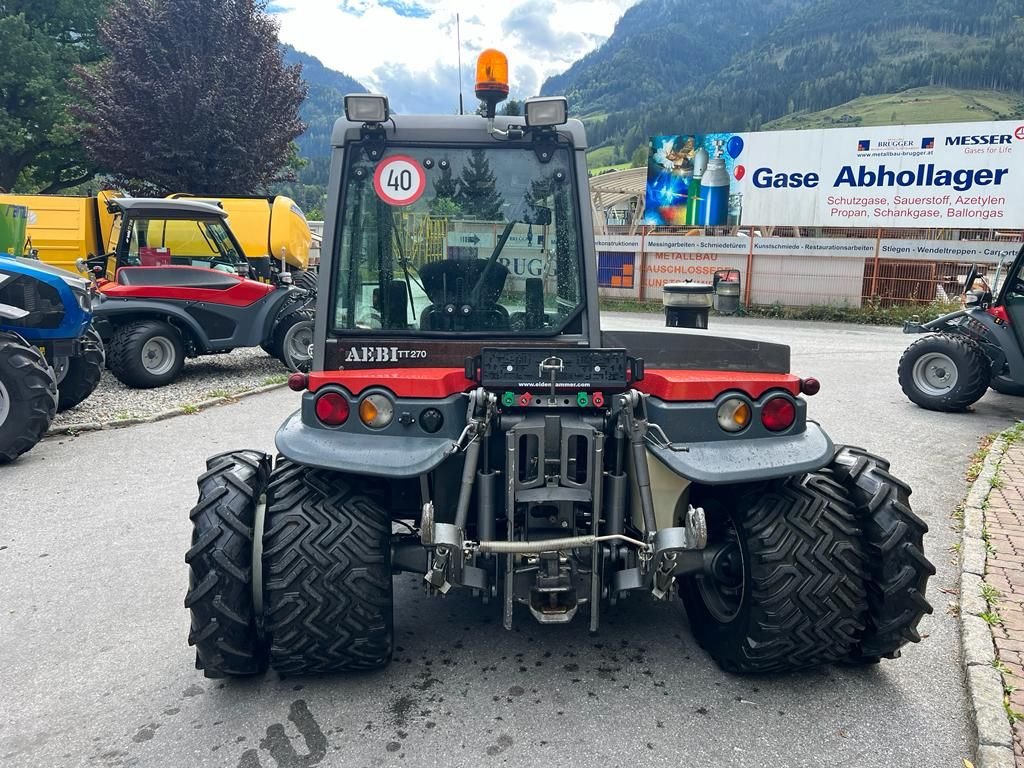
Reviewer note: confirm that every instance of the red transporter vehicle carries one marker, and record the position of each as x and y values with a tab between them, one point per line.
467	419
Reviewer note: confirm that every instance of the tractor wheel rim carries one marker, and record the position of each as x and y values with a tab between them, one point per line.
297	343
723	588
60	368
158	355
935	374
5	404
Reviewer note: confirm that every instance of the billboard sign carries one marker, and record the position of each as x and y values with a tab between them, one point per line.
937	175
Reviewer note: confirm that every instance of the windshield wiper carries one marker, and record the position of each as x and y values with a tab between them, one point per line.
481	281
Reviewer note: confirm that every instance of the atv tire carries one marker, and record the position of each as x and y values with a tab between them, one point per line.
28	397
789	593
220	594
944	372
146	354
292	337
1007	386
83	372
893	538
327	591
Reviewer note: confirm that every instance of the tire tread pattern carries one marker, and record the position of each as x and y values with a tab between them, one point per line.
805	580
894	544
327	574
31	384
219	597
84	372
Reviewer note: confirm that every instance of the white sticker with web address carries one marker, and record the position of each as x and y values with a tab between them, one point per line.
399	180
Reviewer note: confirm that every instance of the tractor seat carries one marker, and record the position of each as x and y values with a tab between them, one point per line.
179	277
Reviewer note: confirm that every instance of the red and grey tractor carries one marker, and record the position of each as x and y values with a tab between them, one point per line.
968	351
467	419
175	284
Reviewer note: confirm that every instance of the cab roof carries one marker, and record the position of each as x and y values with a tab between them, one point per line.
450	129
159	206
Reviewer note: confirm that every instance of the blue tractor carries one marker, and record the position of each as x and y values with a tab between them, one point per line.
50	356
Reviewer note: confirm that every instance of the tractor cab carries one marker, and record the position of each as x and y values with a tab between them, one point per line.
154	232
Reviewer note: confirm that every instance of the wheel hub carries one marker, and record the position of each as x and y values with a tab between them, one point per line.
935	374
723	585
157	355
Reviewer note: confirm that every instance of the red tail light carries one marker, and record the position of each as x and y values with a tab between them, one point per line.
1000	314
332	409
810	386
778	414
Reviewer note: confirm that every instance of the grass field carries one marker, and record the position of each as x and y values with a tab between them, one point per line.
917	105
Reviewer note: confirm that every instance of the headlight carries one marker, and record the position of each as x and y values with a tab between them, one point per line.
84	300
733	414
376	411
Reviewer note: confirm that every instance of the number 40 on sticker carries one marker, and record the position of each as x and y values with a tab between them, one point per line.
399	180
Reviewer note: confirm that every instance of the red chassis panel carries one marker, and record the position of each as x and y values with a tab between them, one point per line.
670	385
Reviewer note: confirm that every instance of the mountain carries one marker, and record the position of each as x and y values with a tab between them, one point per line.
323	105
674	66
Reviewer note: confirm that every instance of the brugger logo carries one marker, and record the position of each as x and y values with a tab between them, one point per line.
383	355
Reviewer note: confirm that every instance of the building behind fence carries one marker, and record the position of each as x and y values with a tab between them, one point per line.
794	267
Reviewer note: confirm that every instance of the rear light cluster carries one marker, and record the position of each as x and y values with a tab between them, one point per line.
375	410
778	413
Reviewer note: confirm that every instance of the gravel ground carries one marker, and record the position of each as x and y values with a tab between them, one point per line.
203	378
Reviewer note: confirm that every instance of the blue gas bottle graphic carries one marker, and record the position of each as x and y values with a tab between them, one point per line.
713	205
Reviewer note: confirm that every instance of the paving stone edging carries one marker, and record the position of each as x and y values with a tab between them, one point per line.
183	410
984	682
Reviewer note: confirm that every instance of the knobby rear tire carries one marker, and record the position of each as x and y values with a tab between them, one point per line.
327	584
898	570
220	595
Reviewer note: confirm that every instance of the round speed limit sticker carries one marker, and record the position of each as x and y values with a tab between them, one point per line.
399	180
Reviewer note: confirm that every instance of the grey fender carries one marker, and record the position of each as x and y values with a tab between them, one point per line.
113	310
720	462
400	450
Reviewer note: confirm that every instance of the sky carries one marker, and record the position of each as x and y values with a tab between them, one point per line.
406	49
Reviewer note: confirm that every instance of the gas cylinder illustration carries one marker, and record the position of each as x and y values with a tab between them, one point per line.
713	206
700	164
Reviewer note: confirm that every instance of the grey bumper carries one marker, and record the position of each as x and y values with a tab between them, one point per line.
374	455
720	462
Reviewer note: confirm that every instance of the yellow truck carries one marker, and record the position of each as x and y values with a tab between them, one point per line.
65	228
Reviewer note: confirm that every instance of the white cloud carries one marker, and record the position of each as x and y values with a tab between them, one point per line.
407	48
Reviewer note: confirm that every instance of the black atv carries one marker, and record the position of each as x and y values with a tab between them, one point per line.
968	351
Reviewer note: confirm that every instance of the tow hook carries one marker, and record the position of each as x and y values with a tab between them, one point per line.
669	542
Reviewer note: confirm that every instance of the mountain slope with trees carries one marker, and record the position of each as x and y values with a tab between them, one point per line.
323	105
673	66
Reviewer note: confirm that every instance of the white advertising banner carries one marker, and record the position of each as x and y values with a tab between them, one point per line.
936	175
938	250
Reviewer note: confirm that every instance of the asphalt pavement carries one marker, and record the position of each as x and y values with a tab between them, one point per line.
96	670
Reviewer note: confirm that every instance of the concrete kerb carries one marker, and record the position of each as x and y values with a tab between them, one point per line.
984	682
183	410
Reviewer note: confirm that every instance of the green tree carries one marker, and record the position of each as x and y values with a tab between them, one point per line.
639	158
511	108
42	41
446	192
194	97
478	195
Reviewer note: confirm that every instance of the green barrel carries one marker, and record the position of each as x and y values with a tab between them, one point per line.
13	219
